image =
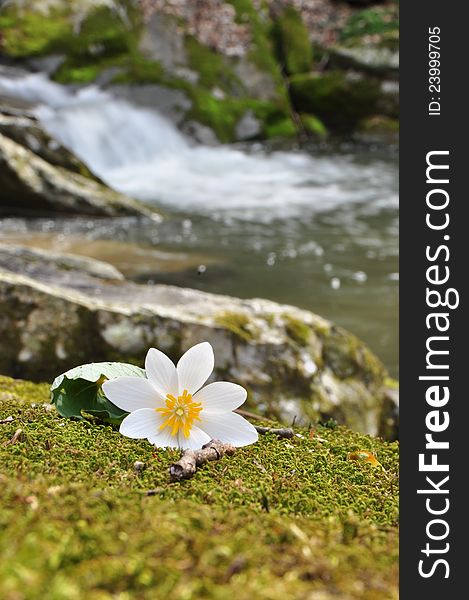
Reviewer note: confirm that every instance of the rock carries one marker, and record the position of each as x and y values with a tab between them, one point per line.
171	103
340	100
248	126
202	134
26	130
48	266
388	103
31	186
162	40
389	426
292	41
259	83
379	60
294	363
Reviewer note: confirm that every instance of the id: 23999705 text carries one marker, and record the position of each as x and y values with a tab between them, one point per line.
434	71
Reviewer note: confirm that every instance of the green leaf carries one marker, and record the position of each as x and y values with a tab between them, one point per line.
79	390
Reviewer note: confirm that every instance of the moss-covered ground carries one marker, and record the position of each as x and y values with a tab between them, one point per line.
284	518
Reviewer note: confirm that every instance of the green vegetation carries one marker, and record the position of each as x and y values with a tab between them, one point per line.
337	100
261	52
237	323
298	330
31	34
282	519
213	69
293	46
314	125
381	22
109	38
379	125
347	356
284	128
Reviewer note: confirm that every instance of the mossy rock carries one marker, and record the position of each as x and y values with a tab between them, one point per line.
292	43
339	101
379	22
281	519
378	128
347	356
30	33
314	126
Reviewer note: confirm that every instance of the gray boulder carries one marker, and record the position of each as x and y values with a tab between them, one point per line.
47	266
31	186
378	60
293	362
25	130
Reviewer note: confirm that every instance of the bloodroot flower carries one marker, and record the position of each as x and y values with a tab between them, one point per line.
171	410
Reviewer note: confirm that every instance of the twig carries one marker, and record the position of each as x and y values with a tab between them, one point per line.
5	421
191	459
17	436
283	433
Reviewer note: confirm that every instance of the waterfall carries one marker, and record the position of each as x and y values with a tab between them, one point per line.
139	152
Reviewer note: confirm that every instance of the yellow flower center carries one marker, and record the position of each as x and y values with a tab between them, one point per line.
180	413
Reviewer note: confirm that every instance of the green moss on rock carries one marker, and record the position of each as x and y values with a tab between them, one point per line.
212	68
29	33
313	125
381	22
298	330
282	128
292	42
347	356
281	519
379	125
339	101
237	323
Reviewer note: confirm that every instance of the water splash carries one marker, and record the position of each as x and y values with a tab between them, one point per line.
139	152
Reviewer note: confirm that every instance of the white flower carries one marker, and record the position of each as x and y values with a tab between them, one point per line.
170	409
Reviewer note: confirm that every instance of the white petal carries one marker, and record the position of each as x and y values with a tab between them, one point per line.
161	372
195	441
142	423
229	428
194	367
220	396
131	393
163	438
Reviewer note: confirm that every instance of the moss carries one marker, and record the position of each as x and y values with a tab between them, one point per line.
314	125
297	330
282	128
391	383
104	40
237	323
213	69
281	519
338	101
291	37
219	115
380	21
139	70
28	33
379	125
261	52
348	356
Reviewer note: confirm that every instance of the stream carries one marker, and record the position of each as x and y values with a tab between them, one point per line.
314	229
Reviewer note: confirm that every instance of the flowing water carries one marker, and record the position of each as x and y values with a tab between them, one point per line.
318	230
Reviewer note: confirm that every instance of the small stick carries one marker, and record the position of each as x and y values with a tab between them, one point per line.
5	421
191	459
283	433
17	436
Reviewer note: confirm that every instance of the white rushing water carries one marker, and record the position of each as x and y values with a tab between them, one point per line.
139	152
